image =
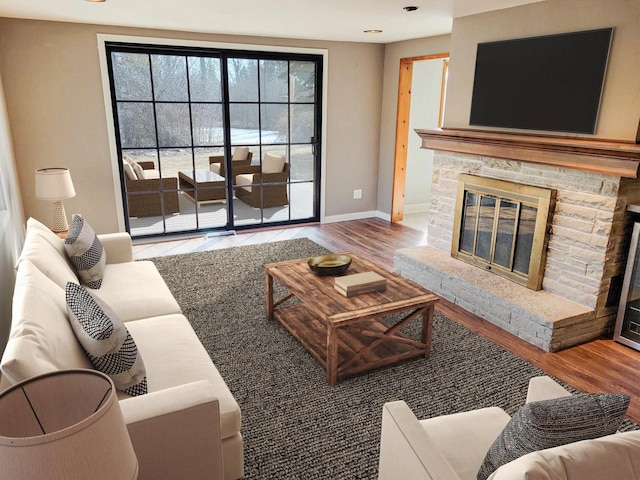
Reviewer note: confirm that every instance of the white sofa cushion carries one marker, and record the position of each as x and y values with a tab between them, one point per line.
613	456
46	232
109	345
136	290
41	338
464	438
86	253
174	356
46	251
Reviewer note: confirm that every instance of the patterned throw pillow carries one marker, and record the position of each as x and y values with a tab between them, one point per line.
106	340
85	252
551	423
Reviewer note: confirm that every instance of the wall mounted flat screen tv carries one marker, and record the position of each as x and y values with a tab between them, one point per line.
551	83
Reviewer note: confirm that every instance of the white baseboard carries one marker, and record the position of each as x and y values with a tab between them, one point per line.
417	207
357	216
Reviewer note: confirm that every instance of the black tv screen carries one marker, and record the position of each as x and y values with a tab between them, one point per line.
551	83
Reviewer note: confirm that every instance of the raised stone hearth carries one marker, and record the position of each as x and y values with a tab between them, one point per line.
589	237
543	319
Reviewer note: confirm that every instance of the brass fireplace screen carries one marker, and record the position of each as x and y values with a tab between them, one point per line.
503	227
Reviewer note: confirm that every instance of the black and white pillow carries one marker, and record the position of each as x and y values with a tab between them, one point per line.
106	340
551	423
86	253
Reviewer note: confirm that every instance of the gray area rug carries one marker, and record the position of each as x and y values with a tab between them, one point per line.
296	426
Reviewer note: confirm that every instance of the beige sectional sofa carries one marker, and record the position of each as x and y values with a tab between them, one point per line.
188	424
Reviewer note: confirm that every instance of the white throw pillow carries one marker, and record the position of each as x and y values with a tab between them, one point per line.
272	163
86	253
139	171
130	172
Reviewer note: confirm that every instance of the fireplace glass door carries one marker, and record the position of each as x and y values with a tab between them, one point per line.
498	231
627	329
502	227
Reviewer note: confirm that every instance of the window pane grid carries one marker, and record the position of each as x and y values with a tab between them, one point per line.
183	116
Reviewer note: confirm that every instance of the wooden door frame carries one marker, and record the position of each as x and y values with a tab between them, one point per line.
402	131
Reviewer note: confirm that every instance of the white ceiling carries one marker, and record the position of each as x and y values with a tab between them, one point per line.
340	20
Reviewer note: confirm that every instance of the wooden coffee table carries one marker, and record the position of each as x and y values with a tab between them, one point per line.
210	186
350	335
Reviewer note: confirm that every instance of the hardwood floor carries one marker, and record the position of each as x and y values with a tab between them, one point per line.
598	366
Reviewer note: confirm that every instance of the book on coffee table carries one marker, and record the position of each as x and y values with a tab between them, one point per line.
357	283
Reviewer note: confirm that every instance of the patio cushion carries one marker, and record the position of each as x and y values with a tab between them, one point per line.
130	172
244	181
272	163
240	153
150	173
138	170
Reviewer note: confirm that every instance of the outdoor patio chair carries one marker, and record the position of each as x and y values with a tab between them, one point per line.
143	190
241	156
264	186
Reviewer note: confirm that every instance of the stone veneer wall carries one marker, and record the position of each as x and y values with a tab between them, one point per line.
590	229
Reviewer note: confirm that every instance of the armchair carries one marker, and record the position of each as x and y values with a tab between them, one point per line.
143	190
263	186
241	157
453	447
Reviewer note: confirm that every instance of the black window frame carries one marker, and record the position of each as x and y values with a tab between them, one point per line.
224	54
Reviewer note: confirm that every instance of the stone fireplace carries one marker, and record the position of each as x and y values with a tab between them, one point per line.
593	182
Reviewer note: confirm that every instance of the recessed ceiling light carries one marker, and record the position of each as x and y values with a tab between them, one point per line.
95	1
373	31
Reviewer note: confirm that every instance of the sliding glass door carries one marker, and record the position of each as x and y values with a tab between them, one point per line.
215	139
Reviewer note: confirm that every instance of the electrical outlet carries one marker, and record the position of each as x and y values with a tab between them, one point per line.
357	194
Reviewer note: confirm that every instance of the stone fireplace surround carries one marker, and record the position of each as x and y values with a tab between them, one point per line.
589	237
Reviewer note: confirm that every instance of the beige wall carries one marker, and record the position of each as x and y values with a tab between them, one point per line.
56	109
393	53
620	107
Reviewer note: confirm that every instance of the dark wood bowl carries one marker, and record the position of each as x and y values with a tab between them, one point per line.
332	264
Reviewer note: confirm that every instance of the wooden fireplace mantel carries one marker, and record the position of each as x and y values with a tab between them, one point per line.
607	157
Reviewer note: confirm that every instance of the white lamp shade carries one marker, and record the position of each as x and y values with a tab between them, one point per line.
65	425
54	184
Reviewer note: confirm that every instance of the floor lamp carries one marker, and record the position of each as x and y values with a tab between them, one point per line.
55	184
